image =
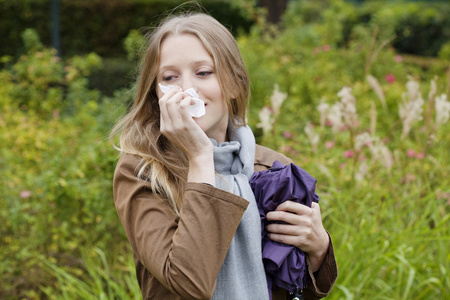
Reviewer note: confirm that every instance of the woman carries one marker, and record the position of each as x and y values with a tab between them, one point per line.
181	186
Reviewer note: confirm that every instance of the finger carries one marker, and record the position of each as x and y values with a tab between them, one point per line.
183	106
286	217
293	207
285	239
169	106
283	229
315	206
165	98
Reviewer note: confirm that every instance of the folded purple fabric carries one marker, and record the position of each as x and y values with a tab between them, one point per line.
285	265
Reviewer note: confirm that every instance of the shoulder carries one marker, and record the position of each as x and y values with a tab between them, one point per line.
265	157
127	169
127	161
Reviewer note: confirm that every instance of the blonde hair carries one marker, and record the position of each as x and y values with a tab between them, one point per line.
162	164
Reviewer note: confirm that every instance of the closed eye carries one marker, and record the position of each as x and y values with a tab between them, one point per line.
169	78
204	73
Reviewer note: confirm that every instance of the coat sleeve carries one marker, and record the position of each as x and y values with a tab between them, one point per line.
184	253
323	279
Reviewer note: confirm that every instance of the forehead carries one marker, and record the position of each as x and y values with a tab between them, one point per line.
184	48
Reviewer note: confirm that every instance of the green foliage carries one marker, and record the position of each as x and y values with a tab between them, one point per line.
133	44
56	165
40	74
420	27
60	235
444	53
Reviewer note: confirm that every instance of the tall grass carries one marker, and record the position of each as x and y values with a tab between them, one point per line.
96	281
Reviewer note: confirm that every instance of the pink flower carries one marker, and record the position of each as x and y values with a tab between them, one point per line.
329	145
342	166
389	78
288	135
25	194
326	47
411	153
408	178
329	123
420	155
398	58
348	154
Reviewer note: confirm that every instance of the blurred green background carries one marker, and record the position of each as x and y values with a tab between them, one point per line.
356	92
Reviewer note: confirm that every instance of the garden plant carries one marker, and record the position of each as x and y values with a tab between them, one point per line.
370	123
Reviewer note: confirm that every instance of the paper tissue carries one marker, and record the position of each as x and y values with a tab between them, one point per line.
197	109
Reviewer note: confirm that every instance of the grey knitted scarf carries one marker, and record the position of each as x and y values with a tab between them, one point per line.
242	274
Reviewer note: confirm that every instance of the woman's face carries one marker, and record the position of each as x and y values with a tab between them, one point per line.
185	62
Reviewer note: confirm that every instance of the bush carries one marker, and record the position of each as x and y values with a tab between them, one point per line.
58	166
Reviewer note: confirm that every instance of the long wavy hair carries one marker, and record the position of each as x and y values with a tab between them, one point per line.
162	164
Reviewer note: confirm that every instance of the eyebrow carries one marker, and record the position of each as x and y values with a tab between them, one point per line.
195	63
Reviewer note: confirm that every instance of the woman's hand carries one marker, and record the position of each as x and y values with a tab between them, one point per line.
304	230
179	127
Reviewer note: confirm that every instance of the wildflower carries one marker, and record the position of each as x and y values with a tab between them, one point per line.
362	171
442	107
342	166
335	117
410	110
312	136
347	107
323	110
408	178
326	47
25	194
288	135
373	118
411	153
380	151
362	140
329	145
376	87
348	154
266	120
420	155
388	158
412	87
277	100
398	58
390	78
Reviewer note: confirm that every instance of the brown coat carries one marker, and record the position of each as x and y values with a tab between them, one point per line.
180	257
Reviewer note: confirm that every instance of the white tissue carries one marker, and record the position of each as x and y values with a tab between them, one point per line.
197	109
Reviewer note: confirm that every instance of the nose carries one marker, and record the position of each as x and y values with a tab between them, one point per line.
186	82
